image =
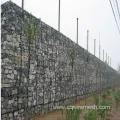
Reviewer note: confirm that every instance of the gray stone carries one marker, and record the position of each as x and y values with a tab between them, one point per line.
8	76
25	80
20	100
10	71
41	94
11	101
2	22
15	113
6	85
11	118
13	28
29	104
15	72
12	76
10	115
6	60
9	37
45	101
34	103
32	77
14	91
6	71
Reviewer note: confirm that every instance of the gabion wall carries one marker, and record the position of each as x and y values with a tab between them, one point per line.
54	71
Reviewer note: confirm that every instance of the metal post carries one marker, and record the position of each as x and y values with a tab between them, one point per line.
59	17
108	60
22	4
99	50
99	46
106	57
94	45
87	39
118	7
103	55
77	30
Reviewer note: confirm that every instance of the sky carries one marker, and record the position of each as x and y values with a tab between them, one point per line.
94	15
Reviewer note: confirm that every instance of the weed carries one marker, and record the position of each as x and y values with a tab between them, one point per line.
104	96
73	114
102	112
117	97
92	115
108	92
96	100
72	56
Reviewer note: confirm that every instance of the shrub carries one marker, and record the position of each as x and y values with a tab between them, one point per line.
102	112
117	97
96	100
92	115
108	92
113	89
73	114
104	95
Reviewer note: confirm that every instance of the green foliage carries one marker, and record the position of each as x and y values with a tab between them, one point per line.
96	100
104	96
102	112
108	92
117	97
113	89
72	56
30	30
72	114
92	115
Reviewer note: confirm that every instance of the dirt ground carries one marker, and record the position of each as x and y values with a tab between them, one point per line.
57	115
